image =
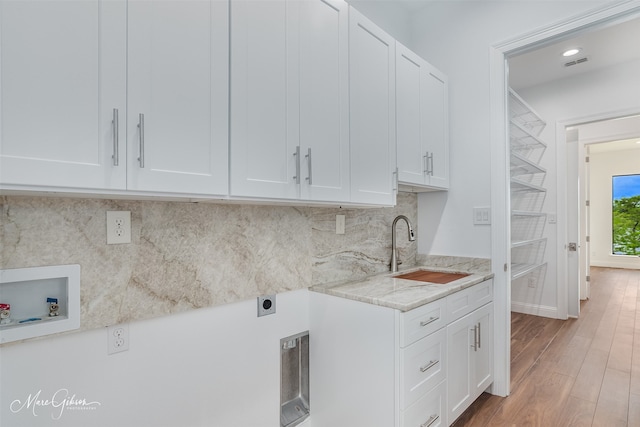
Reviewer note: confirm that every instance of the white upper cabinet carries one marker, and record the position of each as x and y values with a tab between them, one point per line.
78	83
324	99
289	105
178	96
62	74
422	122
372	105
264	100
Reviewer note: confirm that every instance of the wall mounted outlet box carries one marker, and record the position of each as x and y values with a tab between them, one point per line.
266	305
27	291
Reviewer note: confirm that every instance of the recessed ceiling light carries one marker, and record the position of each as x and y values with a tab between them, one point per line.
571	52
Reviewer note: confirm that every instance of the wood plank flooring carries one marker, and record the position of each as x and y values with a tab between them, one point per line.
576	372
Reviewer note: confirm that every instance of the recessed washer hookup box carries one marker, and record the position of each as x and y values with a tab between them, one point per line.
39	301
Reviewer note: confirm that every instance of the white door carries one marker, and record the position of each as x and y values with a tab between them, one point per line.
372	106
62	76
265	156
412	155
177	96
436	128
324	99
573	223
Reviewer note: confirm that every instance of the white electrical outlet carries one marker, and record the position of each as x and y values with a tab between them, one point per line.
118	227
340	224
117	338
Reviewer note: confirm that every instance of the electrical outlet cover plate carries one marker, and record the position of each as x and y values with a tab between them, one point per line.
118	227
117	338
266	305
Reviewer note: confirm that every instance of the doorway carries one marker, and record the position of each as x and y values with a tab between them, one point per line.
501	257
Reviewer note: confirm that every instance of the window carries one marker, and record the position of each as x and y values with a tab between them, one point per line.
626	215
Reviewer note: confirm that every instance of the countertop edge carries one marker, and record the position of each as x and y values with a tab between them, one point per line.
368	290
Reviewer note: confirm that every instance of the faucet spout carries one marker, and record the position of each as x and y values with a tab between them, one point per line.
394	253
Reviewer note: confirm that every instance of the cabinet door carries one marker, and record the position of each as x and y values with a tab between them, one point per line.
264	161
62	74
470	363
410	117
372	106
436	127
324	99
178	96
483	357
460	337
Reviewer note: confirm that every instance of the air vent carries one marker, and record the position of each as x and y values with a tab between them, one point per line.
576	62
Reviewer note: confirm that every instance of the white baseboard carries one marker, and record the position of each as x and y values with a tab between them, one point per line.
537	310
626	262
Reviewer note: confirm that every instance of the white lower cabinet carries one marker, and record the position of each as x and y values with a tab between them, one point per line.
376	366
470	349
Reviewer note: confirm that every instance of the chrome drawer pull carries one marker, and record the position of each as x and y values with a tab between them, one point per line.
429	365
432	419
430	320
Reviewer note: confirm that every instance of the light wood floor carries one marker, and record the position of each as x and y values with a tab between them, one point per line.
577	372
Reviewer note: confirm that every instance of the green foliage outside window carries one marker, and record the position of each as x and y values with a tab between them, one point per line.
626	215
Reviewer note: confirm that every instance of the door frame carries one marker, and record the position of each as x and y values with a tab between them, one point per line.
500	203
562	153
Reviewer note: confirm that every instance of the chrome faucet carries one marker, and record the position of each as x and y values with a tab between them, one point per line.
394	254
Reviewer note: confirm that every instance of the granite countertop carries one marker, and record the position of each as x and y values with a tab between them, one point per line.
401	294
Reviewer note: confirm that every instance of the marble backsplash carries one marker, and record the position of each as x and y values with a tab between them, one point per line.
185	256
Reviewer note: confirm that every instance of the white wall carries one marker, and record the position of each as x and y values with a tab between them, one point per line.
208	367
455	36
388	16
603	166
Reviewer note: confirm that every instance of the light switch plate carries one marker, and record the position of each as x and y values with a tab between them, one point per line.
482	216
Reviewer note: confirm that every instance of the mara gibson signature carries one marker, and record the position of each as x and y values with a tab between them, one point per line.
60	401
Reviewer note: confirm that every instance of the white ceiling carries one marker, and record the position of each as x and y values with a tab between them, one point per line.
604	47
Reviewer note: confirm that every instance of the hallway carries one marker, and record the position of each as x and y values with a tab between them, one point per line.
578	372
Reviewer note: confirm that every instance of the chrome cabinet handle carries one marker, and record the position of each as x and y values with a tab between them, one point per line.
429	320
426	163
429	365
395	173
114	128
141	139
308	156
432	419
431	164
475	338
479	335
297	156
429	159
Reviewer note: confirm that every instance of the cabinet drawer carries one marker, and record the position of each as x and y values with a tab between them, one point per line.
429	411
422	321
422	366
464	302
